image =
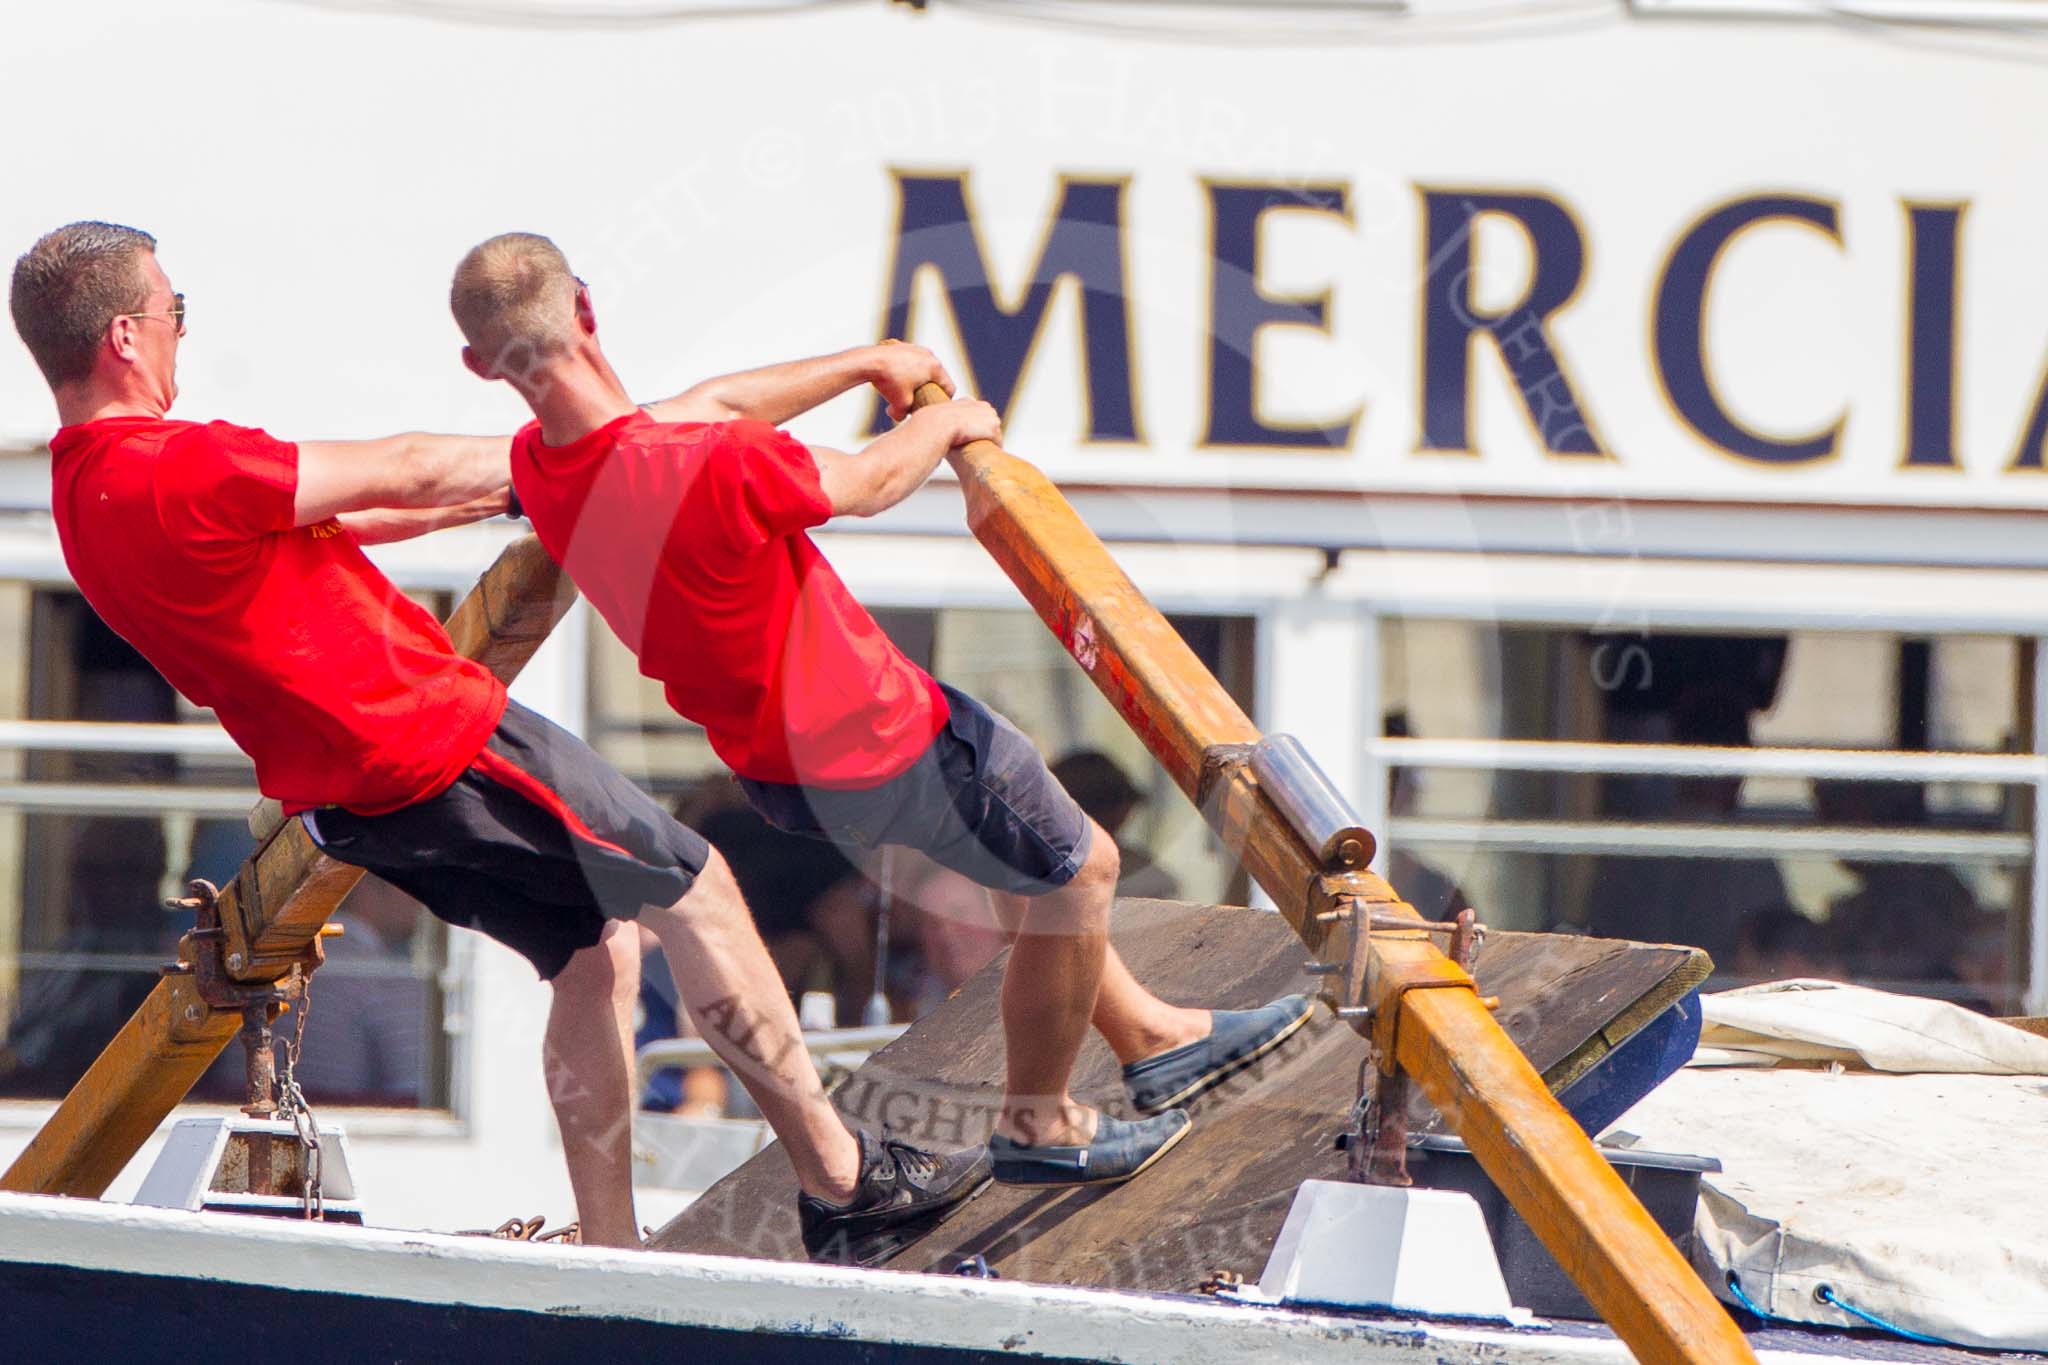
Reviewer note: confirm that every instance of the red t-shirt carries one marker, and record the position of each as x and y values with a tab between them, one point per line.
689	539
344	691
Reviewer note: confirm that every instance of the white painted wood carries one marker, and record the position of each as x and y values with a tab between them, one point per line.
742	1295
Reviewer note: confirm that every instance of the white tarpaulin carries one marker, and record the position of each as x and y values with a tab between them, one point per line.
1823	1021
1887	1149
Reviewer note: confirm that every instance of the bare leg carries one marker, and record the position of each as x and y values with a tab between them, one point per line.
1138	1024
1058	945
1134	1022
586	1055
733	993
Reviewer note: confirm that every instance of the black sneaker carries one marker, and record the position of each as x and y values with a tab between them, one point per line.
904	1192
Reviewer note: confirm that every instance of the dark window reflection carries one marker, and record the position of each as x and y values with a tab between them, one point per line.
94	931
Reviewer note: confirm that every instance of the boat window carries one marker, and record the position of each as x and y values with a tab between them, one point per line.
1829	803
100	823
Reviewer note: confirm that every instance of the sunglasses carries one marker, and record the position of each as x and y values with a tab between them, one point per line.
176	312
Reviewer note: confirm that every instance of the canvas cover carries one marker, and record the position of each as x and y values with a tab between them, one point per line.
1893	1149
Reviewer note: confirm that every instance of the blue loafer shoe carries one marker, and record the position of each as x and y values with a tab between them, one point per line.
1236	1039
1122	1148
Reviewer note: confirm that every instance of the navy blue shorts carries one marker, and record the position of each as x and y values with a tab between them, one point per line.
979	800
538	843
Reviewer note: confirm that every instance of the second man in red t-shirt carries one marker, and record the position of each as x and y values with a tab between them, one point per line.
685	523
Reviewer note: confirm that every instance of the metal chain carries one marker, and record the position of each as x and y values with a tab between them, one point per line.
293	1101
1362	1120
529	1230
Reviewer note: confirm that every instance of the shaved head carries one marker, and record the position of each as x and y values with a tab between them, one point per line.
514	298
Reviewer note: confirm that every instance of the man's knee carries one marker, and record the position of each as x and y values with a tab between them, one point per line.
1103	865
713	891
713	909
1082	904
608	971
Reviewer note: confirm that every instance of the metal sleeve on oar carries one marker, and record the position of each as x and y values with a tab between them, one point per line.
1310	803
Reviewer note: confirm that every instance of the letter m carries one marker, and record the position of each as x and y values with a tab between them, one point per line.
1084	242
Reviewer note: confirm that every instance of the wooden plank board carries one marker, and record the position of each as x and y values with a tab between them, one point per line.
1218	1200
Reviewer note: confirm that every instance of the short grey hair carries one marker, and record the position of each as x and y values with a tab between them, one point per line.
514	297
69	286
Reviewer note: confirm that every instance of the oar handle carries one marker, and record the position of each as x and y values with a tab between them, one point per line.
974	452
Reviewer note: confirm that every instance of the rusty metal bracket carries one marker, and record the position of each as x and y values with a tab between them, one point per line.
203	955
1381	1157
1375	1139
1370	988
1378	979
205	950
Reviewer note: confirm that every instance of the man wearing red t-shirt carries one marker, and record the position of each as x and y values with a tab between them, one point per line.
232	561
685	524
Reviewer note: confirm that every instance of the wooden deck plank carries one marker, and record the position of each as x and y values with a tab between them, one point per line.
1217	1202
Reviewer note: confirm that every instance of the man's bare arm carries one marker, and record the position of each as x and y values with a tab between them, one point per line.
777	393
893	466
410	471
382	525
